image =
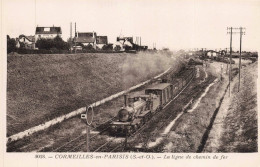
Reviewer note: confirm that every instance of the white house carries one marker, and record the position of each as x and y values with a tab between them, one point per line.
47	32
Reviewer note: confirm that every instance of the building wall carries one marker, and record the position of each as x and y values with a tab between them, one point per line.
100	45
86	44
46	36
212	54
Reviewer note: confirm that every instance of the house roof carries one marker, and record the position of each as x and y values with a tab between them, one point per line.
48	30
101	39
29	38
160	86
130	39
86	37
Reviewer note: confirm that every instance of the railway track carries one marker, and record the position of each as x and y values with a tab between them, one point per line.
70	146
107	146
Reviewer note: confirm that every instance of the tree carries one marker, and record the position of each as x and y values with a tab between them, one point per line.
11	45
48	44
44	44
60	44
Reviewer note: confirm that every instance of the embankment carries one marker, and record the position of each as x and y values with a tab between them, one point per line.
43	87
235	128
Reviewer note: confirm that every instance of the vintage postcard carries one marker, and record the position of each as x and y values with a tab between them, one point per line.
135	82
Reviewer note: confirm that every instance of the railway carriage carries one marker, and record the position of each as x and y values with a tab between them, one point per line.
163	90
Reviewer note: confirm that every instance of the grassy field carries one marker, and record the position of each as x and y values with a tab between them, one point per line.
42	87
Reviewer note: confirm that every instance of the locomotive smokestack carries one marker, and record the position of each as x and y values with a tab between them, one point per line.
126	100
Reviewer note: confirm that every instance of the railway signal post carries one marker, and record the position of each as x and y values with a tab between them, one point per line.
126	136
88	118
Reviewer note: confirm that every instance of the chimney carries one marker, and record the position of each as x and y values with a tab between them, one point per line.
70	30
126	99
75	29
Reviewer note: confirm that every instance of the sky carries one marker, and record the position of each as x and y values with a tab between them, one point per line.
174	24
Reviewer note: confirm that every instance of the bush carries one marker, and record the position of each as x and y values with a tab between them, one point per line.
57	43
117	48
89	47
126	47
107	47
41	51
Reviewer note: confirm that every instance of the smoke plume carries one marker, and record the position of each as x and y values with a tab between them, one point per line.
144	65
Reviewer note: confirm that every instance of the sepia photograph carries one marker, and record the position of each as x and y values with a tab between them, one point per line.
130	77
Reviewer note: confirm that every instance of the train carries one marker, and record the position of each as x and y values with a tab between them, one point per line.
222	58
139	109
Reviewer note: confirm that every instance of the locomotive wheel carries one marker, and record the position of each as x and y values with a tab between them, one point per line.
135	127
128	131
145	120
150	116
139	125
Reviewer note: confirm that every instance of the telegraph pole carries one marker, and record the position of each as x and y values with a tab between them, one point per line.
230	57
75	41
241	33
224	58
71	41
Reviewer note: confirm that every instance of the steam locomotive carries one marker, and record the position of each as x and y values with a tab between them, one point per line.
139	109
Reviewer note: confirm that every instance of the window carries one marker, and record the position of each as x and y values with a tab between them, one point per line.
46	29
